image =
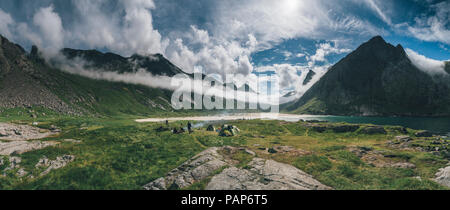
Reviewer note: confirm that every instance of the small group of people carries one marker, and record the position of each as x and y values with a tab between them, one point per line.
182	130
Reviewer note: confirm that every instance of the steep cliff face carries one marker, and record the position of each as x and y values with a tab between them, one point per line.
27	81
447	67
376	79
19	83
155	64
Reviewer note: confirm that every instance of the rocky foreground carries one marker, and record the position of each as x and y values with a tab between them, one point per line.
18	139
224	174
443	176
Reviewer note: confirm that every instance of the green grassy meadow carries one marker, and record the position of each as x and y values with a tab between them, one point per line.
119	153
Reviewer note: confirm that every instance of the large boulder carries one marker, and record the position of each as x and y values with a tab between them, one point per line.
196	169
261	174
423	134
403	138
371	130
443	176
317	127
258	174
14	132
20	147
50	165
345	128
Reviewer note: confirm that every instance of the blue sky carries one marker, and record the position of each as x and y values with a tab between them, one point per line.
284	36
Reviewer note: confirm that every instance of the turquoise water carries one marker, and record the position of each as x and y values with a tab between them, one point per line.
437	125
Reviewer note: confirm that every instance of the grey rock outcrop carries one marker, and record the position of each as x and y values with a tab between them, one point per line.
261	174
196	169
14	132
371	130
403	138
258	174
20	147
443	176
54	164
423	134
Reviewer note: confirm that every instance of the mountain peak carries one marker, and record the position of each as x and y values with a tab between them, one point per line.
376	79
377	39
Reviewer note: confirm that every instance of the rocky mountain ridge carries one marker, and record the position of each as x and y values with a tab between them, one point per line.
27	81
376	79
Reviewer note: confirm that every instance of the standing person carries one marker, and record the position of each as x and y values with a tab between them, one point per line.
167	122
189	125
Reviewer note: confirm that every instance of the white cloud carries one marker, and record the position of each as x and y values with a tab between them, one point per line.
275	21
325	49
215	56
425	64
51	30
125	33
432	28
374	5
289	79
224	45
5	22
300	55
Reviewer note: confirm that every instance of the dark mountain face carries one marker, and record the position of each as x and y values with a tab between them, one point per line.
375	79
309	77
27	81
447	67
155	64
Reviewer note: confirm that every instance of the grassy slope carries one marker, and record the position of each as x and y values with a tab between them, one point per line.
117	153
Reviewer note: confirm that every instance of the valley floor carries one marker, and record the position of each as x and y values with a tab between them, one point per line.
113	153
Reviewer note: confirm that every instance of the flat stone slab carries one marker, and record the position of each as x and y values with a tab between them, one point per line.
20	147
14	132
259	174
443	176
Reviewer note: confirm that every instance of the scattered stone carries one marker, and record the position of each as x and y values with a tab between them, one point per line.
54	129
400	129
371	130
345	128
54	164
317	127
290	150
35	123
423	134
21	172
403	165
403	138
250	152
443	176
272	150
72	141
3	133
17	132
14	163
13	132
359	151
